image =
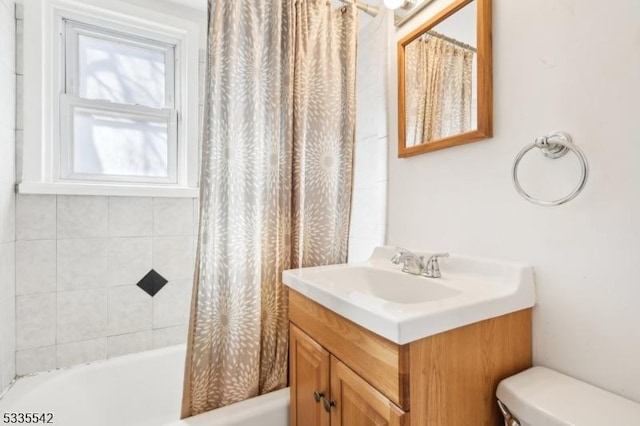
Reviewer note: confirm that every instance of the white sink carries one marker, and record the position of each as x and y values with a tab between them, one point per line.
402	307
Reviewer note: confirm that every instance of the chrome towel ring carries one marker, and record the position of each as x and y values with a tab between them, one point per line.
554	145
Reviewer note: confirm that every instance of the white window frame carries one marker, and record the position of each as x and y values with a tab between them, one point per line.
49	103
70	101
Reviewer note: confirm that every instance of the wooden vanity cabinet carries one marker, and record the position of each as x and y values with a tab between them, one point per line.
324	391
309	367
358	403
344	375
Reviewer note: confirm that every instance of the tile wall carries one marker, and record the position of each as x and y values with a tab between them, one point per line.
7	196
78	260
368	215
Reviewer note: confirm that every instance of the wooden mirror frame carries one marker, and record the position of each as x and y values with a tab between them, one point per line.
485	81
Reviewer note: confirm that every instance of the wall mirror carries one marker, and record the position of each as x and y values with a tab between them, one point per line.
445	80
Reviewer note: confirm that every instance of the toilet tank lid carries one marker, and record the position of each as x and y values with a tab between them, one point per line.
540	396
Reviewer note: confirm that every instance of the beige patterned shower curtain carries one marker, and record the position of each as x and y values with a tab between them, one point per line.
438	89
275	185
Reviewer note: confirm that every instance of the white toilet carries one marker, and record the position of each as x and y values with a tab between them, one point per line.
543	397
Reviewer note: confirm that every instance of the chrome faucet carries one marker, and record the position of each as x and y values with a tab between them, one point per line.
411	263
414	264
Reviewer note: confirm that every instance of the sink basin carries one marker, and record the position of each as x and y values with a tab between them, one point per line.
402	307
382	284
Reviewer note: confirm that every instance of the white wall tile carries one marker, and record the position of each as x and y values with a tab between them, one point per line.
35	320
82	216
82	264
171	304
201	84
130	259
174	257
371	115
81	352
7	314
18	154
130	216
19	45
360	249
82	315
7	36
172	216
7	271
7	213
35	267
7	154
129	310
35	217
129	343
370	162
196	215
368	211
200	125
8	83
368	231
371	73
8	371
7	284
169	336
35	360
19	108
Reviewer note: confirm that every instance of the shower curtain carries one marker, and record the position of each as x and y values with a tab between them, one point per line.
275	185
438	89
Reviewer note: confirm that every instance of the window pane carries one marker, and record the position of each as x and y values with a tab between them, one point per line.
110	144
120	72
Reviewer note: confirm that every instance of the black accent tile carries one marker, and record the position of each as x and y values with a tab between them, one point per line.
152	283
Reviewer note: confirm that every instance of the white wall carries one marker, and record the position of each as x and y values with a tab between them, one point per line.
572	65
368	210
7	196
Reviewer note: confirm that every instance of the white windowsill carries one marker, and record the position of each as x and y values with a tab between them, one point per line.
45	188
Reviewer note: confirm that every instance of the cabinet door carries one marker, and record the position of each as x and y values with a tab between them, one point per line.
309	370
356	403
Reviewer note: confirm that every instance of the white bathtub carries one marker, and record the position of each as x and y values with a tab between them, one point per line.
143	389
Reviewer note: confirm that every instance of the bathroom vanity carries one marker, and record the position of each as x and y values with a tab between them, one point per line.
356	360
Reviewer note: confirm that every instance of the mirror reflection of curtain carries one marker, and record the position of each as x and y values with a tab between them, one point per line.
276	178
438	89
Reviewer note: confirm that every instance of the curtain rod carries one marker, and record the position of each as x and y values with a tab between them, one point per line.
450	40
366	8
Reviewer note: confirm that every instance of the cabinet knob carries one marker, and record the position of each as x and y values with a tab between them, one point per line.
317	396
328	404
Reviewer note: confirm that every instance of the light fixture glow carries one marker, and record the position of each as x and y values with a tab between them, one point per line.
394	4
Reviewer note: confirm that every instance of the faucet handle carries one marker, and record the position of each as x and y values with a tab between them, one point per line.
436	256
433	267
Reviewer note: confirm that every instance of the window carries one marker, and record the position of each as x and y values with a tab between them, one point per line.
118	109
111	91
